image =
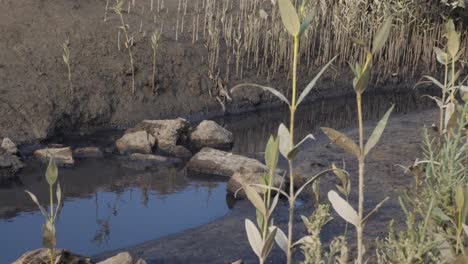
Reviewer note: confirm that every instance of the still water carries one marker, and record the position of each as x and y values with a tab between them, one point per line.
109	205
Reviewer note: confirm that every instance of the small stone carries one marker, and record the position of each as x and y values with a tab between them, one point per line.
41	256
121	258
135	142
176	151
209	134
167	132
88	152
217	162
9	165
63	156
9	146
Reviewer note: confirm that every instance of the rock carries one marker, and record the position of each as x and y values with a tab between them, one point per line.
140	161
9	165
176	151
41	256
88	152
9	146
167	132
135	142
249	176
209	134
63	156
216	162
122	258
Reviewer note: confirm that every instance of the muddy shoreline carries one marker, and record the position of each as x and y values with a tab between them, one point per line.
224	240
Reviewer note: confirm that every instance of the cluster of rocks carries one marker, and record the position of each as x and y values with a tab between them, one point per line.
159	142
173	137
41	256
209	141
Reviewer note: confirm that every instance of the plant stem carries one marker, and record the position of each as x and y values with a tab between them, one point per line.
444	92
154	68
129	47
290	161
51	219
360	225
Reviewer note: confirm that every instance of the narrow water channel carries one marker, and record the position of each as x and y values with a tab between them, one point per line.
109	205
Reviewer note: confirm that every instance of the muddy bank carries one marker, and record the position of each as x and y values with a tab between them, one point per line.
37	101
224	240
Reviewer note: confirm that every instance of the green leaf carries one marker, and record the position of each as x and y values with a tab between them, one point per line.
441	56
378	131
314	82
284	140
259	217
459	197
268	245
343	208
292	154
255	239
361	82
282	240
52	171
306	23
255	199
289	17
274	204
382	35
58	193
435	81
272	153
342	140
34	199
449	27
273	91
48	235
340	174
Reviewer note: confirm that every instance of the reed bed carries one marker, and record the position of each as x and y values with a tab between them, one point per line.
243	36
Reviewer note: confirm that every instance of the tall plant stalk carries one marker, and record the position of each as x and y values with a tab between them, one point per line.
128	40
287	146
49	240
362	76
291	161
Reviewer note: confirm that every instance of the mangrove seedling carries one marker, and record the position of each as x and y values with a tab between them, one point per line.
66	59
118	8
154	45
48	229
448	57
262	241
362	76
287	146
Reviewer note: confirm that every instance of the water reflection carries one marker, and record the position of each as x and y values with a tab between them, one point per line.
252	130
107	207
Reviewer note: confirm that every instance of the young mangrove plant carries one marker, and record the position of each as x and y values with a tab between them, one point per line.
262	241
287	146
48	229
154	45
118	9
67	59
362	76
448	57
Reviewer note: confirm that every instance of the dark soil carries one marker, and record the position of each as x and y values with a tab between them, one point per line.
225	241
37	101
